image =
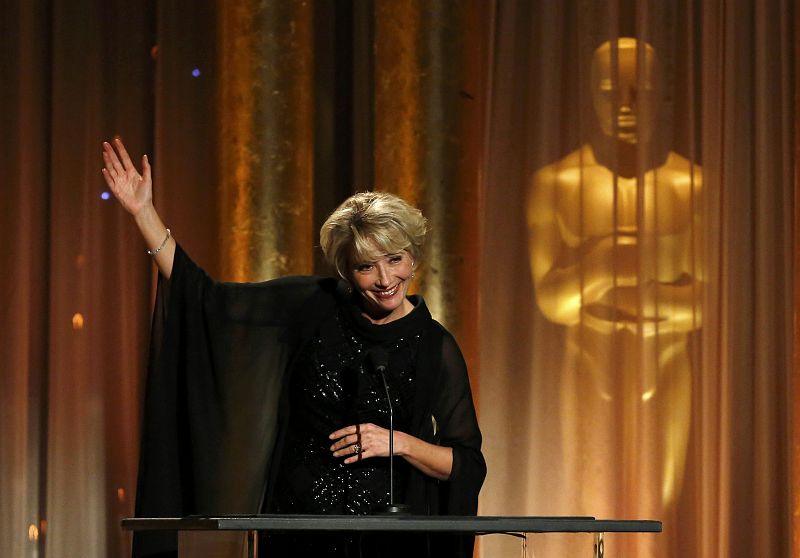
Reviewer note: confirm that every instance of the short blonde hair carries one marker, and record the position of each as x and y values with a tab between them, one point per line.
369	225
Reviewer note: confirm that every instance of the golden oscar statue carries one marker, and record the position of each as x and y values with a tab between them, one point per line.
613	249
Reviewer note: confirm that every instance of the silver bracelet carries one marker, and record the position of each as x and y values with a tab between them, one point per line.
157	250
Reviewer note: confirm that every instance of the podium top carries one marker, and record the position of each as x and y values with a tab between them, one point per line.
404	523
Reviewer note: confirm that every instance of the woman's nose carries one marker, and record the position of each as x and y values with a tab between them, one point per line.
383	275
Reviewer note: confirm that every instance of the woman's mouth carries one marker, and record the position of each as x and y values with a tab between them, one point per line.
388	293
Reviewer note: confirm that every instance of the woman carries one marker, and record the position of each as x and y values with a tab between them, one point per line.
263	397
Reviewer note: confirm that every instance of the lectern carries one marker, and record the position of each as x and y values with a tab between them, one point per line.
249	525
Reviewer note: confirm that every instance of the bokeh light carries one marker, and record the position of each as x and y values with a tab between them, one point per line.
77	321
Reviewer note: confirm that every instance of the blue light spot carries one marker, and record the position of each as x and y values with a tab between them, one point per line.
105	195
196	72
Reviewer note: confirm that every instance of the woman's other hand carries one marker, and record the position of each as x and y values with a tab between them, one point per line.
361	441
133	190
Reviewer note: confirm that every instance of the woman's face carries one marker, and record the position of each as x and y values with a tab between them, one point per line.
383	285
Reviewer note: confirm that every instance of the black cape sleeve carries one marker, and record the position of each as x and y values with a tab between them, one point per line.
458	429
219	352
445	415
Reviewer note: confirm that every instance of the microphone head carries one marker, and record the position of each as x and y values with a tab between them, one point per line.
378	358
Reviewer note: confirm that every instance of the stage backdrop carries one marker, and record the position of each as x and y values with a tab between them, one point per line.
636	309
611	191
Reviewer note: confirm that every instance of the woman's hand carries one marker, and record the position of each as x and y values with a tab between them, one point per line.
133	190
361	441
135	193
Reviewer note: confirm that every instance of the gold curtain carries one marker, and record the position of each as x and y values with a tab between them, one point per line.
639	201
75	280
429	87
266	139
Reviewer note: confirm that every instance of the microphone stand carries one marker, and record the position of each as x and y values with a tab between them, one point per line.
392	508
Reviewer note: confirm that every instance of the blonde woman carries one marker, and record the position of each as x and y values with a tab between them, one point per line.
264	397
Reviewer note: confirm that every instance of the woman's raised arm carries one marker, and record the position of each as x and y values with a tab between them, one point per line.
135	192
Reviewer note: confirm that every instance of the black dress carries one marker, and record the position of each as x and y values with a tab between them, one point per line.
332	386
223	411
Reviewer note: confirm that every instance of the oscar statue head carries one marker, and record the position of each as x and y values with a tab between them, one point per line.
624	81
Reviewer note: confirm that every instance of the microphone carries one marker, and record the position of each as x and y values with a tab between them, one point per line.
379	360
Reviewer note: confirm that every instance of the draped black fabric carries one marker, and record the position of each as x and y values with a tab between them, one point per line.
216	404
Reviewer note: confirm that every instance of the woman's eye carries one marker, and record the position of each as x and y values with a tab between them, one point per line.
396	259
363	268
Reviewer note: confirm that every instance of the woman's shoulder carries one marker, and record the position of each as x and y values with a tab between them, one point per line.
441	332
450	354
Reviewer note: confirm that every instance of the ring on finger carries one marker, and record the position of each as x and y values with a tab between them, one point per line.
357	448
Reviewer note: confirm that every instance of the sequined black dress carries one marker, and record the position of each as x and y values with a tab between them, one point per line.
333	386
245	383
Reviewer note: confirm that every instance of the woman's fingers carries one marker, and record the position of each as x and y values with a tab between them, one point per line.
108	179
348	437
123	153
146	168
347	430
109	168
118	162
344	442
350	450
360	441
123	173
112	162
